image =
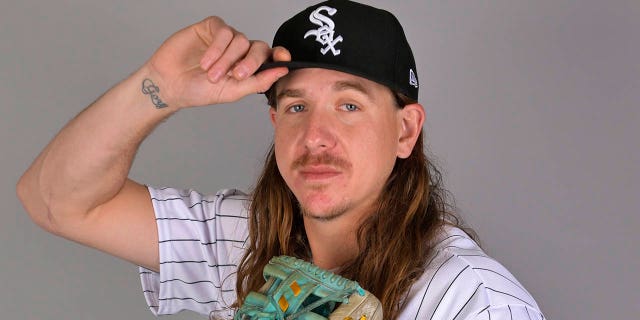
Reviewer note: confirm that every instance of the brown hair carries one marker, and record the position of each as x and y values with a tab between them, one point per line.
395	241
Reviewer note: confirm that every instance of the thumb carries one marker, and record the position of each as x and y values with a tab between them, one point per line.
262	81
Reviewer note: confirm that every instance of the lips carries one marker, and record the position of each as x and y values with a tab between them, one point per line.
316	173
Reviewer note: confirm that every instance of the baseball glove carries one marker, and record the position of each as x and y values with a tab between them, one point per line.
296	289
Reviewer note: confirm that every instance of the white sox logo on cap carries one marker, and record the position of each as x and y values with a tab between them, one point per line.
325	33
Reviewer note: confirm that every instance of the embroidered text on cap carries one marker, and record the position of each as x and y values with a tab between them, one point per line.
325	33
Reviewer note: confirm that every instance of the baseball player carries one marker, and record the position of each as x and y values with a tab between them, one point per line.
346	191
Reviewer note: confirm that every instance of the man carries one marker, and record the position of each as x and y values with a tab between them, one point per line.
346	185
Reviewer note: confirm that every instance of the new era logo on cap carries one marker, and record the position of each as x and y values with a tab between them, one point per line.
413	80
350	37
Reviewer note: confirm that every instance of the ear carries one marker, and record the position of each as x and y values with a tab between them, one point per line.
412	118
272	115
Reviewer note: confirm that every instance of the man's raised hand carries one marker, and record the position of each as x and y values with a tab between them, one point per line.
209	63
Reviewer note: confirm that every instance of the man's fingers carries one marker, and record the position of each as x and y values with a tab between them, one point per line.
225	47
230	60
258	53
217	36
236	50
265	79
262	81
280	54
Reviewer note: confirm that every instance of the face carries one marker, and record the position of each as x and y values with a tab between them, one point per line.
337	137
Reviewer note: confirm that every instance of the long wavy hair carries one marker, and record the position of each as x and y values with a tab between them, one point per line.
395	240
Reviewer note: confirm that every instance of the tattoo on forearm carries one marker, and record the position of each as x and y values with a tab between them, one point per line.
148	87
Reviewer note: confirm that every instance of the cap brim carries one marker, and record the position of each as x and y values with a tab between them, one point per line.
294	65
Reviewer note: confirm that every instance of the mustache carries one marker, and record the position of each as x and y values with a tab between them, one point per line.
320	159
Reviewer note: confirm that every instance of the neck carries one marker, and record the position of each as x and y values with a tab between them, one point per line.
333	243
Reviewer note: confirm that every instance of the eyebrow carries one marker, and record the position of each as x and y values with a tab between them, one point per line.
291	93
352	85
338	86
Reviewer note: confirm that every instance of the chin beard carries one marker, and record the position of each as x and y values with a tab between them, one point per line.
329	215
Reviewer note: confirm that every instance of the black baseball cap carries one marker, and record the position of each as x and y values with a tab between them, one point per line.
350	37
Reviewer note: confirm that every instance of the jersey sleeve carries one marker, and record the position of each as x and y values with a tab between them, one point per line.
201	241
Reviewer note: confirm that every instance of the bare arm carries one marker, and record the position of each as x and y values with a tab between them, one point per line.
78	188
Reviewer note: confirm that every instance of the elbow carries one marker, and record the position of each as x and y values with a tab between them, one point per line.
34	204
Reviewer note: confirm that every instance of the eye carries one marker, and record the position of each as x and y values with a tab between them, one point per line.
296	108
349	107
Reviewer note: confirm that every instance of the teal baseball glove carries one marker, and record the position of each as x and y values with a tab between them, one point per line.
296	289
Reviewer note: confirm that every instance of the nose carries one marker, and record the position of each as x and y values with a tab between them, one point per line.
319	132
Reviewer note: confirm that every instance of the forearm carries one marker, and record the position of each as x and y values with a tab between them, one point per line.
85	166
87	163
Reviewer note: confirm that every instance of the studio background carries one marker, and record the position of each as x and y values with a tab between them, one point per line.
532	113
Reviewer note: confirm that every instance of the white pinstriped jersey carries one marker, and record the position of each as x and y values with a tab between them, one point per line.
201	242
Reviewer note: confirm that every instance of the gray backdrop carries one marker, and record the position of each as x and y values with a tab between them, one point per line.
532	113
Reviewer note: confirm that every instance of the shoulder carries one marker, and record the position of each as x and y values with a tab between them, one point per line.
225	202
231	202
460	280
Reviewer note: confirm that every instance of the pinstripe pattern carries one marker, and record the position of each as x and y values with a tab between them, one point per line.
201	241
462	282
